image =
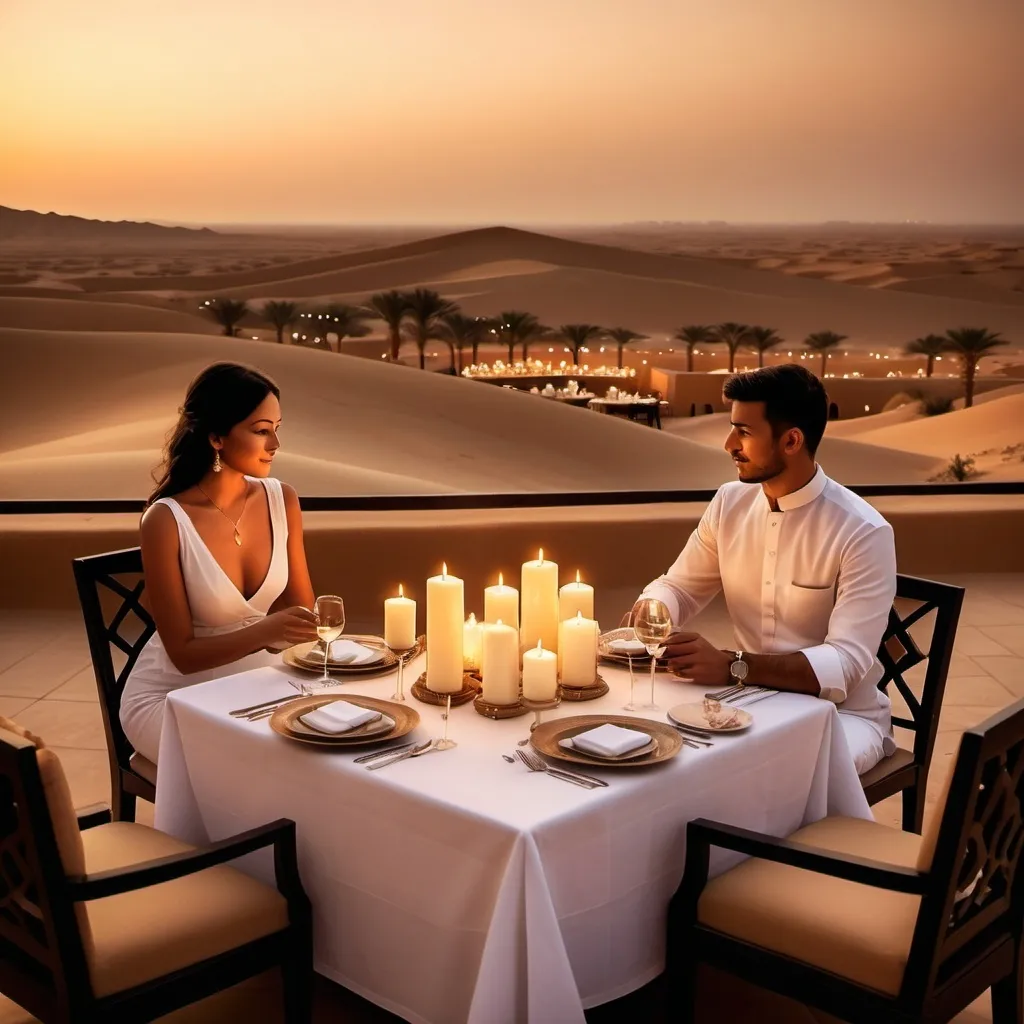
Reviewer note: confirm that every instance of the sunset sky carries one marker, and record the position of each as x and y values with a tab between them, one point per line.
532	112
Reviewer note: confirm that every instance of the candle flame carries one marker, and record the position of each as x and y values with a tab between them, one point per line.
498	623
501	579
401	592
540	554
539	647
471	621
577	577
444	569
579	616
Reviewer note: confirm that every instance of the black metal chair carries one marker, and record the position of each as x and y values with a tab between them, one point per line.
877	924
904	770
123	924
113	583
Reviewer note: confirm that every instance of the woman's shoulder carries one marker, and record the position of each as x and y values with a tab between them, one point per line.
159	521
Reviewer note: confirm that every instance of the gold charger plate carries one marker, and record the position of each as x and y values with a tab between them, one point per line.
301	657
545	738
642	659
693	714
285	721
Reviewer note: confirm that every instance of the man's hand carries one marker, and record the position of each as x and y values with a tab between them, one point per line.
692	657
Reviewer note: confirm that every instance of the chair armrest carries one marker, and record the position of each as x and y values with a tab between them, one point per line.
875	873
93	815
165	869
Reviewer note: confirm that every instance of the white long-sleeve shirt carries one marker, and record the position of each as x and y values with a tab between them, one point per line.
818	576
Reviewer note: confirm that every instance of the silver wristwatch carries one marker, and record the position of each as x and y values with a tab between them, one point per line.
739	669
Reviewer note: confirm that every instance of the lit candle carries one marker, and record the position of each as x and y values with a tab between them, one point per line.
471	644
501	602
540	674
500	645
400	621
579	651
444	632
575	597
540	603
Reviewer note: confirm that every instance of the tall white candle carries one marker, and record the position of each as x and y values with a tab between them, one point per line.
540	603
501	602
471	644
400	621
575	597
579	651
444	632
540	674
500	644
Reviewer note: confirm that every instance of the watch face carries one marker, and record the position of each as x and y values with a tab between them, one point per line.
738	670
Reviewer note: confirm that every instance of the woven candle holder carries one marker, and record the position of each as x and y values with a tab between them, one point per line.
423	693
598	688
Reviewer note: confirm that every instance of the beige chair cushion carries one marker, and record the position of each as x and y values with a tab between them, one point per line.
144	768
933	819
145	934
852	930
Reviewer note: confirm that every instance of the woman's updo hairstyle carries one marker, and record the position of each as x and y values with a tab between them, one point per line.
220	397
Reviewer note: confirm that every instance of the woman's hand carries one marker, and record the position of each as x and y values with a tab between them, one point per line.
295	625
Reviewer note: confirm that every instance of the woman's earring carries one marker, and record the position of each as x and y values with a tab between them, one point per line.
216	460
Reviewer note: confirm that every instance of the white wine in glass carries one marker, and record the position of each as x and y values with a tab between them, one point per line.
652	623
330	624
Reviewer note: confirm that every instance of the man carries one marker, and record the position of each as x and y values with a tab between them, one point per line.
808	569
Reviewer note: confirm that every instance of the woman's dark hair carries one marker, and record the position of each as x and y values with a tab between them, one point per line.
220	397
792	396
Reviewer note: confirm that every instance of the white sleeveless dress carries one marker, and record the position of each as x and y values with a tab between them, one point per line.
217	606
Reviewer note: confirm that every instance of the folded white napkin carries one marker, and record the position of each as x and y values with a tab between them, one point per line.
610	740
627	647
348	652
338	716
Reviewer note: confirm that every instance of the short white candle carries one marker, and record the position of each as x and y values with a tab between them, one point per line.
501	602
579	651
575	597
444	632
500	645
540	603
400	621
471	644
540	674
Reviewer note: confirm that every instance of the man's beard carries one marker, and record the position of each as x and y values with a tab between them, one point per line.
761	474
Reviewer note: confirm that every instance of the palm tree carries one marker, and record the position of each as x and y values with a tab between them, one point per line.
969	344
391	307
578	335
822	341
459	332
623	336
425	309
732	335
514	327
280	315
344	321
693	336
762	339
228	313
931	345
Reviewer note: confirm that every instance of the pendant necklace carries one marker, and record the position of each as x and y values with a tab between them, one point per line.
234	522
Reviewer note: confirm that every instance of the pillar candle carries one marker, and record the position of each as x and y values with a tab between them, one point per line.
540	603
501	602
575	597
400	621
471	644
444	633
579	651
500	645
540	674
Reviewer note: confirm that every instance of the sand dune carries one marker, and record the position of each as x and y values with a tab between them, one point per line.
77	315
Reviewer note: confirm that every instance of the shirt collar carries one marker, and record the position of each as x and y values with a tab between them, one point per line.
810	490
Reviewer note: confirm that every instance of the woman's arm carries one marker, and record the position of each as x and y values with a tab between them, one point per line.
168	600
299	590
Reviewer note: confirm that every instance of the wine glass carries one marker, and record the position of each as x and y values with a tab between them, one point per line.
330	624
652	622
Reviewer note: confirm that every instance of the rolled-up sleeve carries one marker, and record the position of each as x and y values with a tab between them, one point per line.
694	577
865	591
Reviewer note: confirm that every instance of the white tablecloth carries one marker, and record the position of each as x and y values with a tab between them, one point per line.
458	887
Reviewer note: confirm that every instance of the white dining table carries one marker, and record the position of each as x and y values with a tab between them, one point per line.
458	887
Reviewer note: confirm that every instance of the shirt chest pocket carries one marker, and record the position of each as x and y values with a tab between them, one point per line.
810	609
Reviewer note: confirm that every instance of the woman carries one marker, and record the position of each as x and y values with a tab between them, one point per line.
226	573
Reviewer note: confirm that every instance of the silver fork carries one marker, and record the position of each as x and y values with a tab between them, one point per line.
423	748
535	764
753	700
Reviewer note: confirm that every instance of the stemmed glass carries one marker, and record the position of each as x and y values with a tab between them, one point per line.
330	624
652	622
400	653
444	743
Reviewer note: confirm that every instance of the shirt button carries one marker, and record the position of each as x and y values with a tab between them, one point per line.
767	583
774	524
772	553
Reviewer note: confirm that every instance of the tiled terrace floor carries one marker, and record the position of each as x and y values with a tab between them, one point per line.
46	683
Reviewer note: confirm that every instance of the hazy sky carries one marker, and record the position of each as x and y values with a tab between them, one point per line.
513	111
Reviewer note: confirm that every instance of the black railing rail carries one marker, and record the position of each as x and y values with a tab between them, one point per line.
528	499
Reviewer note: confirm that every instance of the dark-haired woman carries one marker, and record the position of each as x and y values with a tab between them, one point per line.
222	549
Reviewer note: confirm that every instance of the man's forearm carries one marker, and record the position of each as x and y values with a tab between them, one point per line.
790	672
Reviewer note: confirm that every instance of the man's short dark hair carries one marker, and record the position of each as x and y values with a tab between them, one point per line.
792	396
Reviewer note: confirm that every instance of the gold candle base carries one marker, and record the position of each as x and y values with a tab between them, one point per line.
489	710
598	688
423	693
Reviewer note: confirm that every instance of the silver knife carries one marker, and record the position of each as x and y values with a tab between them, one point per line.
389	752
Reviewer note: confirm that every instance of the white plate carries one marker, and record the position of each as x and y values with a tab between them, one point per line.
693	715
